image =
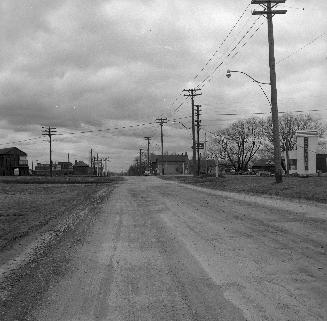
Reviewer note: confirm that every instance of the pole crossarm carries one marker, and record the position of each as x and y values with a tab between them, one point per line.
266	1
192	92
272	12
268	5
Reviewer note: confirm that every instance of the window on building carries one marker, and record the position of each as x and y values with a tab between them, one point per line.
293	164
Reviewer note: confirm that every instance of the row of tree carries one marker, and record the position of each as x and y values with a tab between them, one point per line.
246	140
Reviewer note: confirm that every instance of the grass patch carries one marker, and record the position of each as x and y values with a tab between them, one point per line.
309	188
26	208
59	179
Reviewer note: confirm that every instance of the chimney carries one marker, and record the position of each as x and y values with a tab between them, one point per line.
75	162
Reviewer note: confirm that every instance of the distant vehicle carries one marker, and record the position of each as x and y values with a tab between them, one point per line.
147	173
264	173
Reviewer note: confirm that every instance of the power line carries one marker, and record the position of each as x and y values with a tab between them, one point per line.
215	68
213	71
224	40
93	131
214	54
302	48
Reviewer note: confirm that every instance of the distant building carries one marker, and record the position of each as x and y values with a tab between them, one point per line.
169	164
82	169
13	161
44	169
63	169
66	168
207	166
41	169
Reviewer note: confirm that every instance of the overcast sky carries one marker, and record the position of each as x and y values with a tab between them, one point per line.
82	65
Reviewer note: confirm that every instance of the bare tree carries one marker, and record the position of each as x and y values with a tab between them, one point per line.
239	142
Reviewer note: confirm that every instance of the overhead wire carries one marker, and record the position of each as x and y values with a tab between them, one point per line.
212	56
93	131
208	79
302	48
215	68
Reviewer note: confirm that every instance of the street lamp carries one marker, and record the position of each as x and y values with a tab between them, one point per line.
277	155
229	74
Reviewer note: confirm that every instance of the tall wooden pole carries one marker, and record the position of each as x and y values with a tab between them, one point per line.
49	131
269	5
162	121
274	105
148	139
50	136
140	162
192	93
198	137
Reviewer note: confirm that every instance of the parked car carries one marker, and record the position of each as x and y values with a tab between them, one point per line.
264	173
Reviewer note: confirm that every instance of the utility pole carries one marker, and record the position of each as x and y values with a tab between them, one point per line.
193	93
162	121
97	164
268	11
94	172
49	131
91	164
205	151
140	162
198	125
148	139
106	170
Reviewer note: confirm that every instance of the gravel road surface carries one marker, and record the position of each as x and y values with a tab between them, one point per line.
159	250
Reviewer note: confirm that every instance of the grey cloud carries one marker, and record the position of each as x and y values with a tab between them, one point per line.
126	61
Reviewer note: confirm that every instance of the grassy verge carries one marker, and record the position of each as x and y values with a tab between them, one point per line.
309	188
58	179
26	208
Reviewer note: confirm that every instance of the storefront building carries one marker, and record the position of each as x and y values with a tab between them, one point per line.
308	158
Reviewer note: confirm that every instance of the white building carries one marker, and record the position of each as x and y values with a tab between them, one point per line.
307	158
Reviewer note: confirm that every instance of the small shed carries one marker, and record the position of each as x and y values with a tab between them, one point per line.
170	164
81	169
13	161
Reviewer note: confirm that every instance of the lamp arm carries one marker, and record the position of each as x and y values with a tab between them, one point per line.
246	74
264	94
259	82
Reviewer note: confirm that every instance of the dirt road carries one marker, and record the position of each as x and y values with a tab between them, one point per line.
162	251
